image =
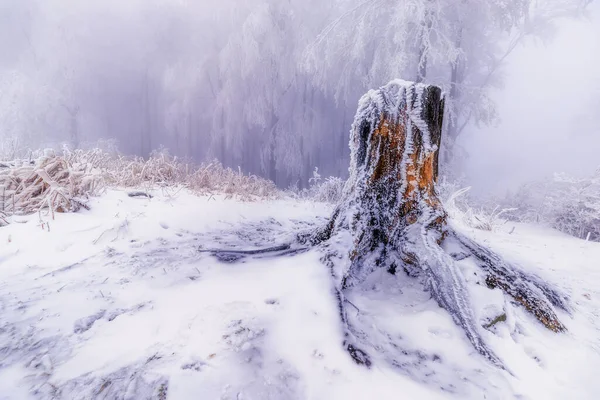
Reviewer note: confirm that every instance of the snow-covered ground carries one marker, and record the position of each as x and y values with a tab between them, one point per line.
118	303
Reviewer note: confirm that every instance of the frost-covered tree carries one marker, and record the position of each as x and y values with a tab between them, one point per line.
458	45
266	85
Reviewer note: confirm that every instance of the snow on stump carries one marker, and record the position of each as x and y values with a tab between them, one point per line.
391	219
396	221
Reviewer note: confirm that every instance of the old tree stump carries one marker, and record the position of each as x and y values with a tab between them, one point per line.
396	221
393	221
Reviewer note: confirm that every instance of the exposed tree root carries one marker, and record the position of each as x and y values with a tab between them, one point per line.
231	256
526	289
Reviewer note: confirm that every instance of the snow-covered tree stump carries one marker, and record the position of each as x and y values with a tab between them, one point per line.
396	221
392	219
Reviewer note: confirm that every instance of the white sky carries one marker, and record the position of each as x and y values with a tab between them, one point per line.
548	119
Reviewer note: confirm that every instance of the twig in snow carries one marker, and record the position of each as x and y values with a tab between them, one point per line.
139	194
67	268
352	304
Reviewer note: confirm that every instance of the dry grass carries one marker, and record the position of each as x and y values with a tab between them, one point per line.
162	170
52	182
64	182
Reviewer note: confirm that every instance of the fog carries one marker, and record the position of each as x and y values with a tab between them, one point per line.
271	86
549	112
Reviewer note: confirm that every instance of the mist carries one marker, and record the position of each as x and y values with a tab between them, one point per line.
549	112
271	87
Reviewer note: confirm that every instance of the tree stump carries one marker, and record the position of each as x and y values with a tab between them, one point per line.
396	221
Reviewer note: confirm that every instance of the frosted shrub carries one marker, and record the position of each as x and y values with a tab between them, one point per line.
568	204
328	190
446	189
459	209
163	170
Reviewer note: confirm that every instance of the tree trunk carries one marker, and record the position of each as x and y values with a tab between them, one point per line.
272	167
456	78
396	221
423	47
341	146
74	114
73	125
190	134
146	139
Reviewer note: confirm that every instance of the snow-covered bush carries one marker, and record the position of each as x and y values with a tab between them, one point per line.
457	205
566	203
58	183
328	190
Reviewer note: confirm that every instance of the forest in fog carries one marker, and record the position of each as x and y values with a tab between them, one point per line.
269	86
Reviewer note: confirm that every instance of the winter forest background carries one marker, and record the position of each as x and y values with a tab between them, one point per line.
271	86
